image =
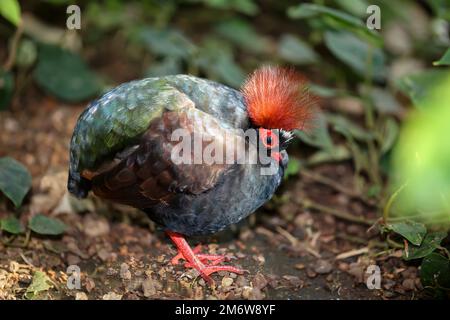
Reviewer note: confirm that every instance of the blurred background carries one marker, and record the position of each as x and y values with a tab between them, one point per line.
370	185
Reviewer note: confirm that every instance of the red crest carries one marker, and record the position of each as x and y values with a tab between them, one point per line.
279	98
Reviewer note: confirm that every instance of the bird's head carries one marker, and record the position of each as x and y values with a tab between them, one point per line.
278	102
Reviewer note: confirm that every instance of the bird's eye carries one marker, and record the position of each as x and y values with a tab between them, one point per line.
268	138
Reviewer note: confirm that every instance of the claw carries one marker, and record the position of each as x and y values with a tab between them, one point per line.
197	260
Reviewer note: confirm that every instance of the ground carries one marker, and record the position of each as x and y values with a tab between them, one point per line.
292	247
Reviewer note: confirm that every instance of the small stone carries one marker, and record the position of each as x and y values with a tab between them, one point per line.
104	254
227	281
201	282
90	284
357	271
259	281
223	273
241	281
388	284
138	273
418	284
299	266
246	292
112	296
111	272
95	227
73	259
260	259
240	255
310	273
125	273
294	281
256	294
134	284
322	267
81	296
408	284
343	266
148	287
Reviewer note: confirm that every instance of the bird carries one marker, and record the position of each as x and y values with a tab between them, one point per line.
122	149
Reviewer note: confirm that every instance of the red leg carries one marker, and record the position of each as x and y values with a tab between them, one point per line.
214	258
196	260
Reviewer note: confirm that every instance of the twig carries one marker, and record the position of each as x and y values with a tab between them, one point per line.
295	243
336	186
27	261
14	44
335	212
352	253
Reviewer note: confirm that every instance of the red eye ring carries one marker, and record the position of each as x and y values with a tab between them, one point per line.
268	138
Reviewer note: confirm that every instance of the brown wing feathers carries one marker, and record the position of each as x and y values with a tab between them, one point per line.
147	175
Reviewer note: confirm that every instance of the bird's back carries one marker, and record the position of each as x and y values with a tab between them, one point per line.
116	121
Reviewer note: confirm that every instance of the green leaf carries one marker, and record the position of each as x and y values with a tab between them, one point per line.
435	271
243	6
11	225
293	168
348	128
167	43
324	92
296	51
15	180
319	137
384	101
419	86
355	7
26	53
6	88
389	135
10	10
41	282
354	52
45	225
413	231
337	154
441	8
168	66
65	75
428	245
216	60
242	34
336	19
444	61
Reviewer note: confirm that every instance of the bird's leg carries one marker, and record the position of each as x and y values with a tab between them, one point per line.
214	258
197	260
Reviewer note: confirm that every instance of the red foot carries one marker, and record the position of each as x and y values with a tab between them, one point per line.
197	260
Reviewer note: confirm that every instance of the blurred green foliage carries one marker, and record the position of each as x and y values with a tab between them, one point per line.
422	157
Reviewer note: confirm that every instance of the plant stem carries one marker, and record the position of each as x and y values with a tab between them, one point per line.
374	171
387	207
13	50
336	186
309	204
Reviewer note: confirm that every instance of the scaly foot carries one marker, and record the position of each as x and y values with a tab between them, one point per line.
197	260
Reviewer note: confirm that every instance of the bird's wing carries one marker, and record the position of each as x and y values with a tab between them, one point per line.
112	126
151	173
